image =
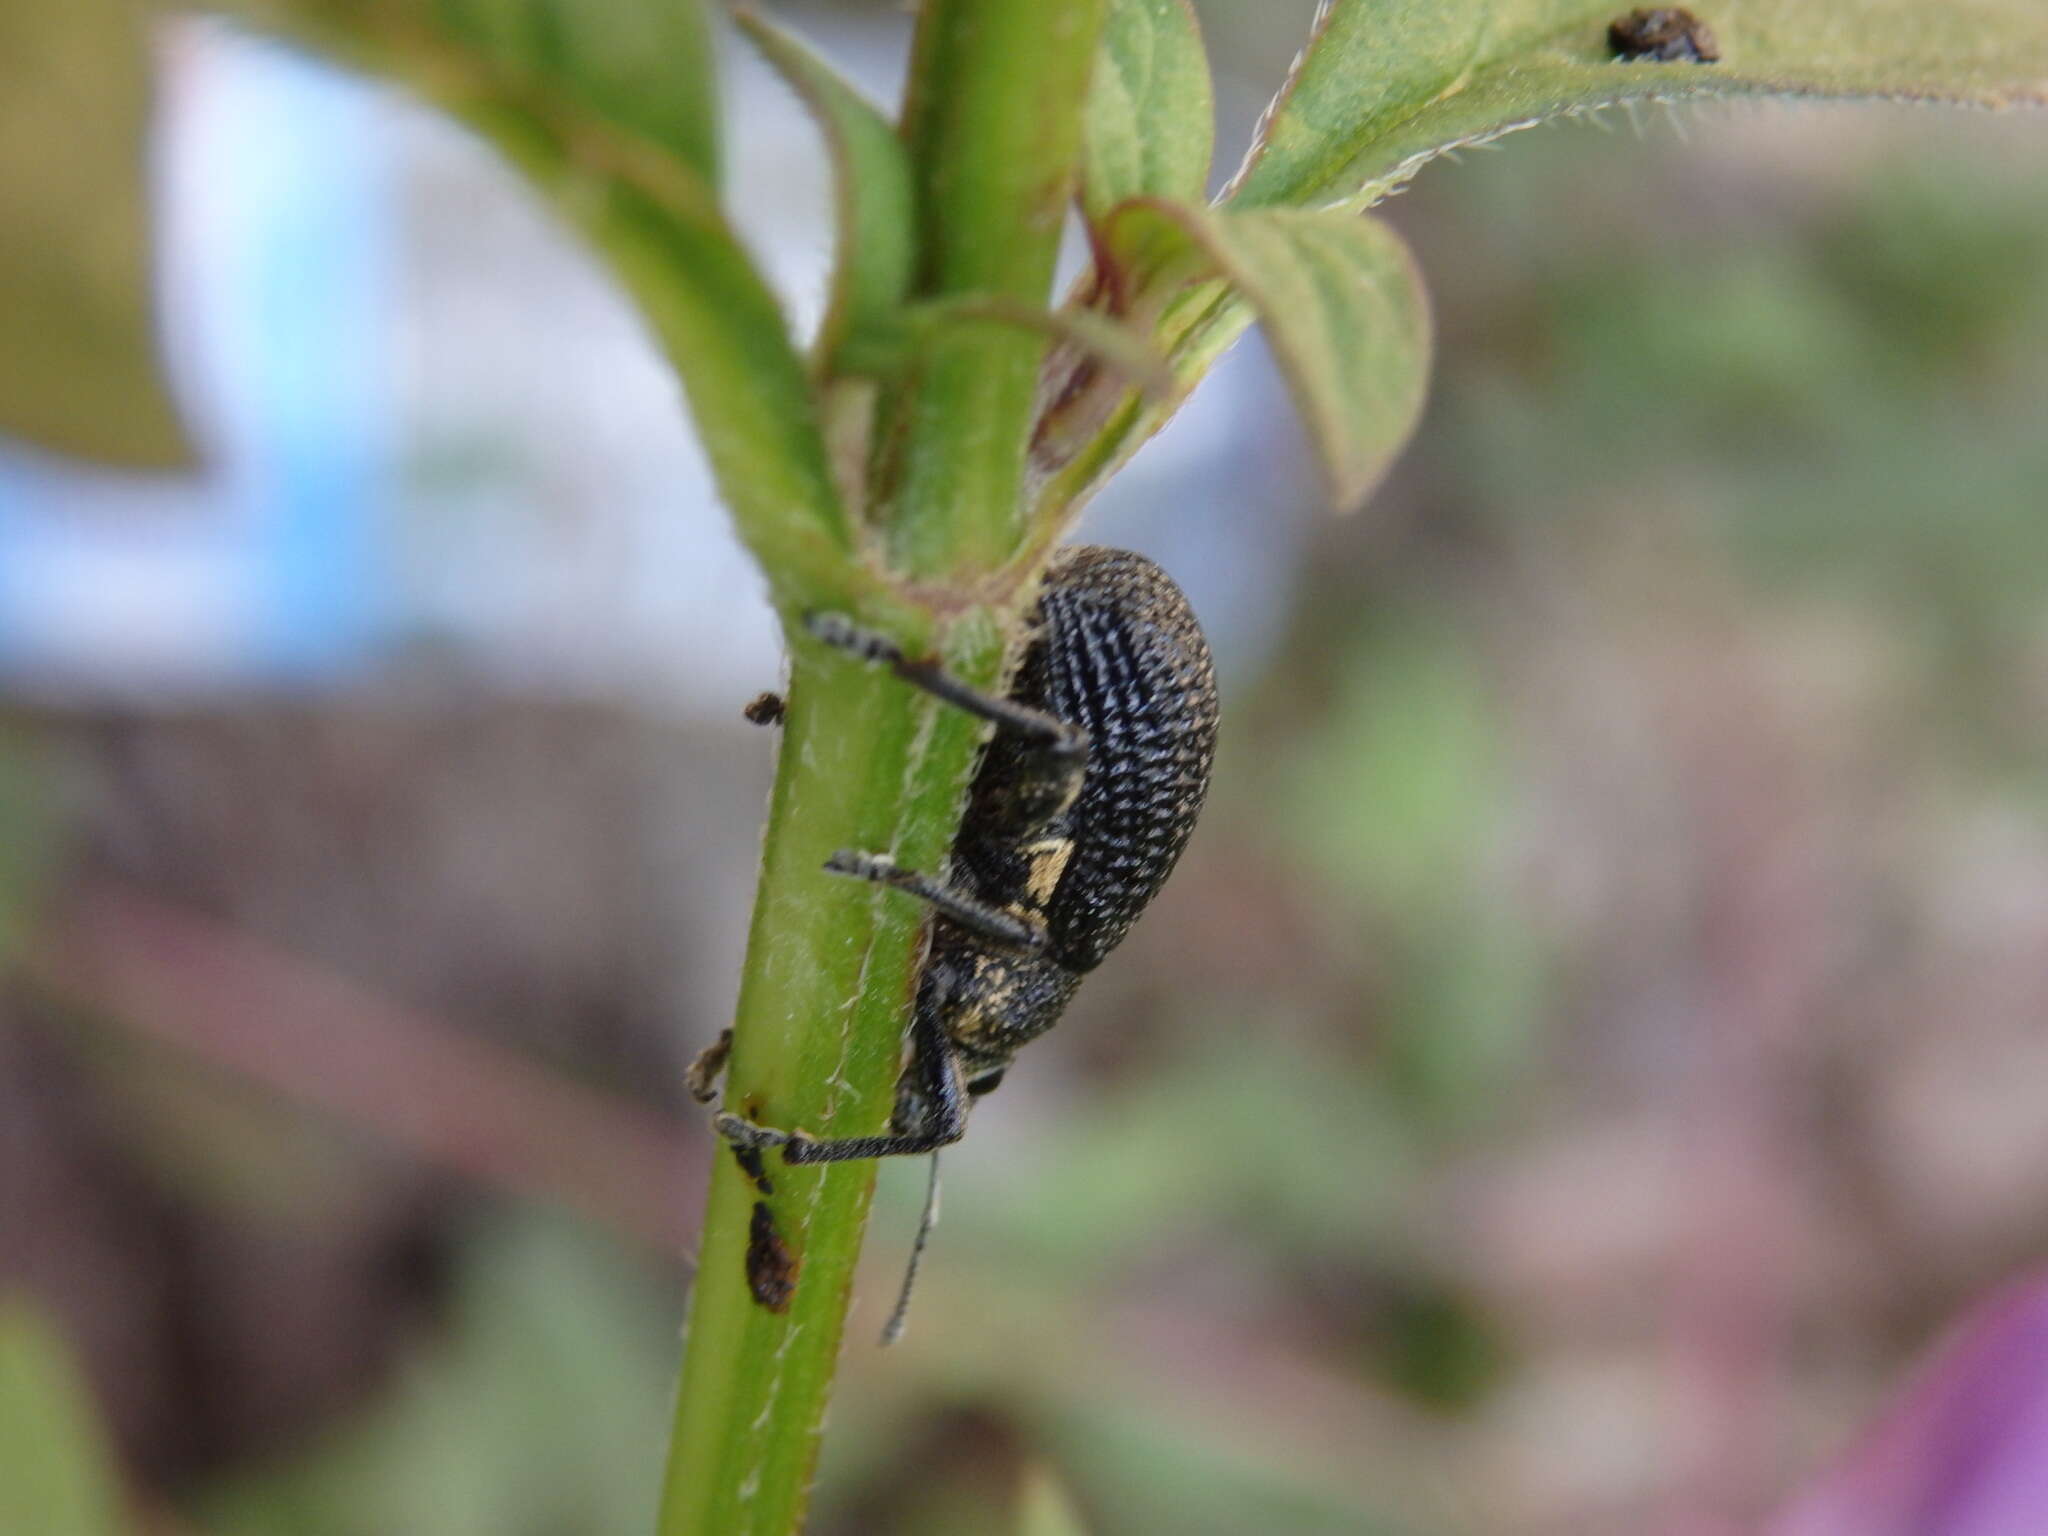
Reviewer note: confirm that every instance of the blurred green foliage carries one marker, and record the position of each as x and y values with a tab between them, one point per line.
1393	801
1044	1507
78	364
1148	1478
538	1411
1844	403
57	1472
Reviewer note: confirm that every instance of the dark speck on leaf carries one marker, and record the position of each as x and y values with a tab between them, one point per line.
765	709
1665	34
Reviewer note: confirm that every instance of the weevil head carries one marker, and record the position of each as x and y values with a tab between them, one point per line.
913	1104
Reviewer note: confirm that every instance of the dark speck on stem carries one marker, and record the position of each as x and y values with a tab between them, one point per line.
771	1267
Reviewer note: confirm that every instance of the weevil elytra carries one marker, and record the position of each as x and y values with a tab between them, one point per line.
1086	793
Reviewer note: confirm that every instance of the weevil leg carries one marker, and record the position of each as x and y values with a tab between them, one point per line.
945	1117
1060	738
702	1075
799	1148
1022	934
701	1078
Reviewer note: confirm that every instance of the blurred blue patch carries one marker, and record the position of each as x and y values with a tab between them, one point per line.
276	226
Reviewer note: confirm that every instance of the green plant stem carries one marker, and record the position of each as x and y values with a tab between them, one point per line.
865	763
869	763
993	120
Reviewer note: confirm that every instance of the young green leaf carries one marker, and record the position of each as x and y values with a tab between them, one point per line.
641	68
1343	306
1386	85
78	368
876	213
1150	127
748	390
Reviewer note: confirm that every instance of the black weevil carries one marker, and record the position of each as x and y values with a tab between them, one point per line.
1086	793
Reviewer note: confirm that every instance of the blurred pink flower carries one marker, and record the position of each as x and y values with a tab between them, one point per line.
1964	1451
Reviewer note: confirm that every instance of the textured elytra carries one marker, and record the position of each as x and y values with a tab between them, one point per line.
1115	649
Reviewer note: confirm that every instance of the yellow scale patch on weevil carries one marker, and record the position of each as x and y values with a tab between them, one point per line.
989	991
1048	858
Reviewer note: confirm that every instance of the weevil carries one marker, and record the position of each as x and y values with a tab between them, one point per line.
1085	795
1663	34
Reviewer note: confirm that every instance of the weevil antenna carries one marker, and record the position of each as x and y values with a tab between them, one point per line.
893	1329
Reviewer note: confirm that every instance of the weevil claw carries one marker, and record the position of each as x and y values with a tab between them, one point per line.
841	633
742	1132
861	866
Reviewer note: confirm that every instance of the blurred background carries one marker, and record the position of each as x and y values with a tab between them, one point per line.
1590	1052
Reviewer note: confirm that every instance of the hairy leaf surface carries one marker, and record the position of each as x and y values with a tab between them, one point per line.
1386	85
1151	117
1343	306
